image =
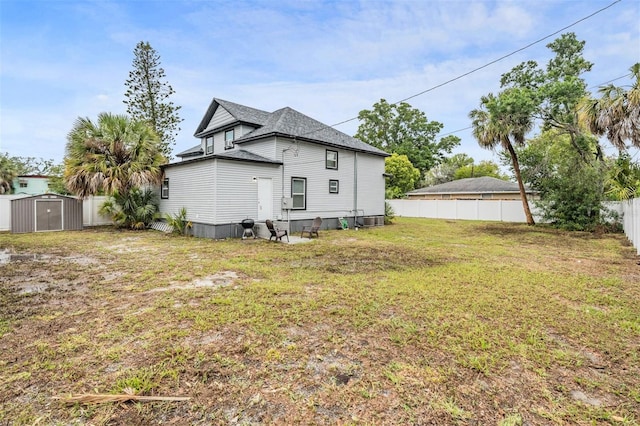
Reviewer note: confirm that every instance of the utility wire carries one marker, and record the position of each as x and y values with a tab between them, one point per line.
590	88
492	62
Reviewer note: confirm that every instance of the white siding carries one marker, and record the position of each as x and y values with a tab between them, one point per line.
192	186
220	118
238	192
310	164
371	184
265	148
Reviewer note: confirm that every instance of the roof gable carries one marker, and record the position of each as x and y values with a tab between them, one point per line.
239	112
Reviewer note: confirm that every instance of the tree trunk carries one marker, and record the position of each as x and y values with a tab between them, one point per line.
523	193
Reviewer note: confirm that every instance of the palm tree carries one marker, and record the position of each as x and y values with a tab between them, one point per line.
503	121
116	156
8	173
616	114
113	155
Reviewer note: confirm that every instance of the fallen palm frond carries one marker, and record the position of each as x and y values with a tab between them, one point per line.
98	398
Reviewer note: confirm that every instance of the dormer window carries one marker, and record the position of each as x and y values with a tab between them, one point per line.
209	145
229	136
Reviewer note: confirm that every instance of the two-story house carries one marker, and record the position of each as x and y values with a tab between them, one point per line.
280	165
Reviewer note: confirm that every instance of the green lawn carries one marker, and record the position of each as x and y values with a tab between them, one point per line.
421	322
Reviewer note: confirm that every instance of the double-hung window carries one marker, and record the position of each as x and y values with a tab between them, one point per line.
209	145
333	186
299	193
164	190
229	136
331	160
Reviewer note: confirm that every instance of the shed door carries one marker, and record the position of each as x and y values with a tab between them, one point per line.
265	199
48	215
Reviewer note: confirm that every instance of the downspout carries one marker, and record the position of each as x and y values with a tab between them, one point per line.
355	186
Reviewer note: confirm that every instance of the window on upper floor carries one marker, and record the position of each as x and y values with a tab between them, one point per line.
333	186
24	184
164	190
299	193
229	136
209	145
331	159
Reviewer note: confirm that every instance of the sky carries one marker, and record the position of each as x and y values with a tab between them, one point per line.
64	59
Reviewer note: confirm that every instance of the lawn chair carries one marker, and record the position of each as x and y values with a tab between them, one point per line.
313	229
275	232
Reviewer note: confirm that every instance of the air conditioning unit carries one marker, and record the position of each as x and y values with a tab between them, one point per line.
287	203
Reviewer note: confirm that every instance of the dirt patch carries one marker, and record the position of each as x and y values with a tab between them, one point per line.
218	280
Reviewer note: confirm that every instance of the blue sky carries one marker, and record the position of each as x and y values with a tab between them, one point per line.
60	59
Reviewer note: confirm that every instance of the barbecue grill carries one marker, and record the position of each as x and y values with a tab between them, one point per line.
247	226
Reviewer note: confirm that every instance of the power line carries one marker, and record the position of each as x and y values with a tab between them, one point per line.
492	62
592	87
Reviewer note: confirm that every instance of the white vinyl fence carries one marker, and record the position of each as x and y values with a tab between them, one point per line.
90	215
505	211
631	221
496	210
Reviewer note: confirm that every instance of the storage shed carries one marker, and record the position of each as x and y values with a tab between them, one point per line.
47	212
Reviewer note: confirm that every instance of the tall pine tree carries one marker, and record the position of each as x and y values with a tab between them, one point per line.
147	96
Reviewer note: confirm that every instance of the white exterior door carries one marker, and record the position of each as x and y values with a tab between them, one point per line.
265	199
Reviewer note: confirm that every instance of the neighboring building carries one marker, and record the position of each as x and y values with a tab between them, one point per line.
31	184
282	166
482	188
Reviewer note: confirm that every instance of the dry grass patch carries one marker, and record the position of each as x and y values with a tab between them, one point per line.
421	322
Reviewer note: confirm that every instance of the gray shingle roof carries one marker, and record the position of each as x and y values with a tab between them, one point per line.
291	123
286	122
241	154
483	184
191	152
236	154
241	113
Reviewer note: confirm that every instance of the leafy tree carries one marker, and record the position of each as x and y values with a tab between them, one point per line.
116	156
574	194
446	170
571	190
616	114
8	172
401	129
557	90
147	96
484	168
502	121
403	175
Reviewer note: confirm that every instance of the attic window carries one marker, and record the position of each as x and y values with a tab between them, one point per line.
229	136
209	145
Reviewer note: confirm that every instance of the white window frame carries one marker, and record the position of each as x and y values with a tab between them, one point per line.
208	145
299	195
331	163
164	189
228	142
334	186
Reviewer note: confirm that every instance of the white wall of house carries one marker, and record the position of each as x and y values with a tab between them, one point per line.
192	186
237	191
371	184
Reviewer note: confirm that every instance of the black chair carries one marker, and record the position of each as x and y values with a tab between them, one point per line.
275	232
